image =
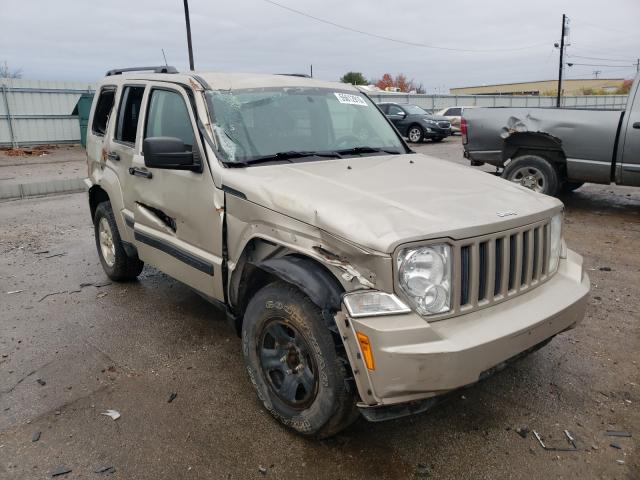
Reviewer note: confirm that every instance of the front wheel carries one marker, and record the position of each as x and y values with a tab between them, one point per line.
114	259
415	134
292	361
533	172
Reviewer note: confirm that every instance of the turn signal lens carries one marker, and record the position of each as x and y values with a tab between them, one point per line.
365	348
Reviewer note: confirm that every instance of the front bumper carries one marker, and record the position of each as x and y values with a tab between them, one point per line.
417	360
436	132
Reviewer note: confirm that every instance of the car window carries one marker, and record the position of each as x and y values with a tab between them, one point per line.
454	112
384	107
128	114
168	116
395	110
103	110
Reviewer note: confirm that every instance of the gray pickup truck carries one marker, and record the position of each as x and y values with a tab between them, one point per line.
556	150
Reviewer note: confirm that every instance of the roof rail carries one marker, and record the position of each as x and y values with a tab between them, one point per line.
160	69
303	75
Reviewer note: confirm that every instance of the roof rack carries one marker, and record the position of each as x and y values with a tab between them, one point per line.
160	69
303	75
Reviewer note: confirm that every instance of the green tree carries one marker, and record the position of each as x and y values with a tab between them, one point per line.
354	78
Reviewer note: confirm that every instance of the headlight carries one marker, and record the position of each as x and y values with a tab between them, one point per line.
370	303
424	275
557	248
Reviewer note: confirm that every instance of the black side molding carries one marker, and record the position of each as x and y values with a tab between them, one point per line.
178	253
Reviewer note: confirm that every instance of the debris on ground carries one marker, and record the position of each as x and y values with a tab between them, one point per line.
617	433
107	470
523	431
172	397
41	252
262	470
41	382
94	284
620	462
14	291
605	269
114	414
36	436
570	440
56	255
102	295
61	470
36	151
615	445
422	470
51	294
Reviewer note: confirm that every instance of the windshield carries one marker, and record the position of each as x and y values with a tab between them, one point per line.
296	122
414	110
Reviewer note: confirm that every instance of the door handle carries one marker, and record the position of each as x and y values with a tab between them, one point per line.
636	125
140	172
113	156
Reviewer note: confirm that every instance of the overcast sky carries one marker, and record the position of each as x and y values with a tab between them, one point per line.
80	40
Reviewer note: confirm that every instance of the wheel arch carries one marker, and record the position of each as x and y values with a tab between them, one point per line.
308	274
97	195
534	143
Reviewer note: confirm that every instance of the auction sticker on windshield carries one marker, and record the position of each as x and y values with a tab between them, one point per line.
350	99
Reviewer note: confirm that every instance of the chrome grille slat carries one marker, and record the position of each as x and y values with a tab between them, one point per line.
492	268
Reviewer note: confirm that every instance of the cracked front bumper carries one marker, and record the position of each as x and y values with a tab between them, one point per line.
417	360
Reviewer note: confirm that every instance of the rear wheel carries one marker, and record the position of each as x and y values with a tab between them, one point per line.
114	259
415	134
292	361
533	172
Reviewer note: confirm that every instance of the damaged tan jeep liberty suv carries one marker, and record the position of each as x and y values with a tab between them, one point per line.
363	278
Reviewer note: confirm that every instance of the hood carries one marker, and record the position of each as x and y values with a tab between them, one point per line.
437	118
380	202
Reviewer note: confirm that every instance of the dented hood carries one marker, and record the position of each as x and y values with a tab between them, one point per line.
380	202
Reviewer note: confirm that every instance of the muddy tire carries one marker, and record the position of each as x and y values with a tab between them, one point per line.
293	363
114	259
533	172
415	134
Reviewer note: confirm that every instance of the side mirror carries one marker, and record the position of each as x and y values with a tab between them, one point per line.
167	152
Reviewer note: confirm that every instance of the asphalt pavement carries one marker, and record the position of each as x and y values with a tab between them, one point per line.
73	346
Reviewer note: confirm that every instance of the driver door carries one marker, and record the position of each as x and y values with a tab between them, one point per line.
174	219
397	116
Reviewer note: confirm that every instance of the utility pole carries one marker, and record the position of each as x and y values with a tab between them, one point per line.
186	19
638	65
311	68
596	73
564	23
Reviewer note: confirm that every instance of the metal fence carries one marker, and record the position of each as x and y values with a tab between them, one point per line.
39	112
438	102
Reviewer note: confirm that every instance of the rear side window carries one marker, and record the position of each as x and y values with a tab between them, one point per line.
454	112
168	117
103	110
127	125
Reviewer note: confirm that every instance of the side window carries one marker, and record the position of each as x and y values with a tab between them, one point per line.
168	117
102	111
384	107
128	114
395	110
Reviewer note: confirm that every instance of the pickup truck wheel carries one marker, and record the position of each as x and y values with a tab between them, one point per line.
114	259
415	134
533	172
293	364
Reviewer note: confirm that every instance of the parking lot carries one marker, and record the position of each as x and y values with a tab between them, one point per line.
74	345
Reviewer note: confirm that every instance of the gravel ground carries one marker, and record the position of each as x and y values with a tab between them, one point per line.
68	357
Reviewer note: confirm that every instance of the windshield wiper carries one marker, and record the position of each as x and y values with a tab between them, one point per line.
288	156
364	149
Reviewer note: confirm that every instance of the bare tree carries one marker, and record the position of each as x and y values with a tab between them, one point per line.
5	72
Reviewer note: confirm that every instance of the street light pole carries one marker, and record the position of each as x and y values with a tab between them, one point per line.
564	21
186	19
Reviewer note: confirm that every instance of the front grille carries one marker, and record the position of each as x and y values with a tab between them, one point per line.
444	124
491	268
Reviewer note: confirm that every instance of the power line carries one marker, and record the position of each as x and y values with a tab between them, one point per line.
600	58
395	40
571	64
